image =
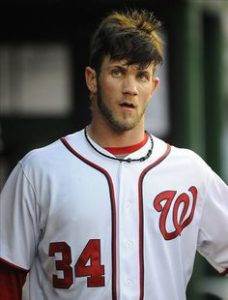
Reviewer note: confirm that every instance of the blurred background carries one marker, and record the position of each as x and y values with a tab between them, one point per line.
43	53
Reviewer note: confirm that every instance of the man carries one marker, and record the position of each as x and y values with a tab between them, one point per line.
112	212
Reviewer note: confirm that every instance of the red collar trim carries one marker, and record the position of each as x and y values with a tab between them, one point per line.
127	149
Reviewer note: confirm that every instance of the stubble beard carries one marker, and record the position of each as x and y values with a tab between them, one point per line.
114	122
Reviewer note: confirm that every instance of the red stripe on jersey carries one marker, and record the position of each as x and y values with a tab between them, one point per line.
113	207
141	230
127	149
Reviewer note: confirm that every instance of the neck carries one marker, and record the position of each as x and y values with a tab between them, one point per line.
119	158
108	137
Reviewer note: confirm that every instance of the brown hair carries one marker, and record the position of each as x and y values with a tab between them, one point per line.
132	35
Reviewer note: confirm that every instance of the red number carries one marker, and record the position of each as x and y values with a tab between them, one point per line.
62	265
94	270
88	264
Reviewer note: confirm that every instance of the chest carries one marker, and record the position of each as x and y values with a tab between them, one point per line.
88	197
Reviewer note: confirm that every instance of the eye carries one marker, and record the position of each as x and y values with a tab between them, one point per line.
143	76
117	72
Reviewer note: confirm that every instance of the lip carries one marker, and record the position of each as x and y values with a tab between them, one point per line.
127	105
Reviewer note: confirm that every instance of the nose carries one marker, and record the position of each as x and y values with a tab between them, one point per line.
130	86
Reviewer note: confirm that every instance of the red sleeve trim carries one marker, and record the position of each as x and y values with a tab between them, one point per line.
224	272
12	280
13	266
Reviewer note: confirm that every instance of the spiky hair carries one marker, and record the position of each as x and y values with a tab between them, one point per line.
133	36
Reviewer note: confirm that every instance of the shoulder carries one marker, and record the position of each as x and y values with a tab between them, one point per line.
188	156
43	158
183	157
176	151
42	154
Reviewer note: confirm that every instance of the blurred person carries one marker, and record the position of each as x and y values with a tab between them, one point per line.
112	211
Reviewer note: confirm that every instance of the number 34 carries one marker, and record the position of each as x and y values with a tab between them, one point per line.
88	264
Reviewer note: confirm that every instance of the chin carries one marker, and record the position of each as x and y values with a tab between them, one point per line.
123	126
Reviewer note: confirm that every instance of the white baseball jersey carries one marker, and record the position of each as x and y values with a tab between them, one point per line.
90	227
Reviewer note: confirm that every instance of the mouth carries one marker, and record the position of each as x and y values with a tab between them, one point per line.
127	105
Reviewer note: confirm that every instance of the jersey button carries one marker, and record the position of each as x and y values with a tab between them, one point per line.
130	243
129	203
129	282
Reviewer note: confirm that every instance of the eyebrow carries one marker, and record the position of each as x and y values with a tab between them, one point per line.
118	65
126	66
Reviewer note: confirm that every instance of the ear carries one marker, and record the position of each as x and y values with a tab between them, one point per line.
155	84
91	80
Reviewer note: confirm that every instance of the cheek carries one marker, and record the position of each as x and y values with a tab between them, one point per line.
109	88
146	92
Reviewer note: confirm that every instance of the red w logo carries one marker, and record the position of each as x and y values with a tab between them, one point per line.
183	211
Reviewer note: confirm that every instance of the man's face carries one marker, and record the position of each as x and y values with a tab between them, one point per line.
123	93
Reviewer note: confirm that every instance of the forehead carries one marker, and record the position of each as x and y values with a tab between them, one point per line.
111	63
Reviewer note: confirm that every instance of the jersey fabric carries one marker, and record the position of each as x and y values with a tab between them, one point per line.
90	227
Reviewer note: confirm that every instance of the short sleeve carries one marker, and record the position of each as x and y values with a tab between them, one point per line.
213	233
19	220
